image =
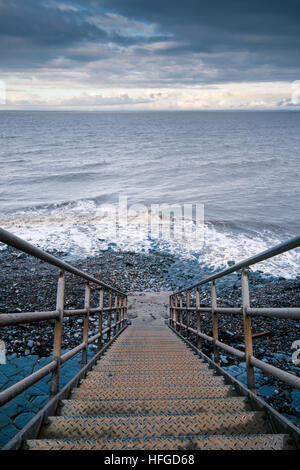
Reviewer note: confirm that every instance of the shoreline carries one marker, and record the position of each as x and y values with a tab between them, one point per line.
30	285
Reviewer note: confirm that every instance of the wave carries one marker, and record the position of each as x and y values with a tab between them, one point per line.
81	229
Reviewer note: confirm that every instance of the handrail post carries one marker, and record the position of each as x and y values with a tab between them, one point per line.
247	330
85	335
109	315
198	318
58	331
181	313
123	311
175	313
121	314
215	321
170	309
100	323
126	309
188	314
116	314
173	310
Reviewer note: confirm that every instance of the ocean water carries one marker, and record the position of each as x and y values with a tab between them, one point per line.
57	169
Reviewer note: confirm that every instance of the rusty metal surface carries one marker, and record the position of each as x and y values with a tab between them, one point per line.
245	312
155	392
142	382
150	391
59	315
152	406
221	442
155	426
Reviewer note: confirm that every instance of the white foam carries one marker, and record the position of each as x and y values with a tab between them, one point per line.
79	229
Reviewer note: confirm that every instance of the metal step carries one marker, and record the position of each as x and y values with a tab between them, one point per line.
151	392
150	366
155	392
155	375
165	381
152	406
247	422
216	442
174	360
172	373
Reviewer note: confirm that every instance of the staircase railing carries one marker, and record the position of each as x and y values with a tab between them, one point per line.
116	318
181	309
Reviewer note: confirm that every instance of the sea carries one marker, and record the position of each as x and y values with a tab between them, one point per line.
63	175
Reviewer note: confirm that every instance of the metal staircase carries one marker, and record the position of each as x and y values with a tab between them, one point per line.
150	391
149	385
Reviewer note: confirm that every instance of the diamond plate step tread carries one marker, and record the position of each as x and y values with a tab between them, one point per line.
252	442
151	406
155	373
110	376
148	366
148	361
150	391
155	426
148	381
187	392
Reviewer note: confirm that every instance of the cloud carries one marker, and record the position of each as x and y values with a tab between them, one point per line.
134	44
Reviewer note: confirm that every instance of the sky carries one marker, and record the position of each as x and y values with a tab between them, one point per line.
150	54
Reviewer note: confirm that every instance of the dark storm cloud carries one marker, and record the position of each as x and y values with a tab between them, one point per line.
240	40
36	31
33	21
218	25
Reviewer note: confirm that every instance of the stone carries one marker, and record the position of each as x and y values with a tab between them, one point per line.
9	370
7	433
233	370
40	401
266	390
224	359
4	420
296	399
242	378
11	409
3	380
23	419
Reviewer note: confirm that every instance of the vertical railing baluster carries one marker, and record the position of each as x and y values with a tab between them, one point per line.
121	312
85	334
58	331
109	315
126	309
100	321
116	314
170	309
215	321
175	313
188	313
198	318
247	330
181	313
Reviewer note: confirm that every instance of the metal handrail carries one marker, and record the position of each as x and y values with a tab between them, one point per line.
264	255
117	312
177	308
16	242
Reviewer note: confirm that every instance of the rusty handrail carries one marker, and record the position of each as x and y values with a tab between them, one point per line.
16	242
179	304
263	256
118	313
